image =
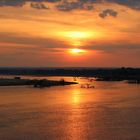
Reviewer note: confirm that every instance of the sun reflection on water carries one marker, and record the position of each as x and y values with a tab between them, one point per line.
76	96
76	125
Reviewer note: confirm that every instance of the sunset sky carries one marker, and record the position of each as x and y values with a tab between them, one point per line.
65	33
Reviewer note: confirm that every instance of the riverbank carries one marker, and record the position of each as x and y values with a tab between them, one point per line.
131	75
17	81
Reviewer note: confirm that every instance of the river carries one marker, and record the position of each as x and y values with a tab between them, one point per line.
110	111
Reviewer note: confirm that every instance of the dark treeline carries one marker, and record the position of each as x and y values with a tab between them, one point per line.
118	73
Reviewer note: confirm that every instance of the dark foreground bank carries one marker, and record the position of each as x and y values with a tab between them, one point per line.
36	83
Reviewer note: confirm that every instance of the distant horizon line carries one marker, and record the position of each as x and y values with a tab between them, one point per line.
84	67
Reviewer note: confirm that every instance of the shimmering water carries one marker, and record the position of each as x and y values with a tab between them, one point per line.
110	111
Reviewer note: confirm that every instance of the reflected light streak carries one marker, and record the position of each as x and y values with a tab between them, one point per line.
76	96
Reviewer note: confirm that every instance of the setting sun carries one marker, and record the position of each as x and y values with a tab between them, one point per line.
77	51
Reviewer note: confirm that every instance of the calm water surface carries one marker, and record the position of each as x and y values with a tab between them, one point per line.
110	111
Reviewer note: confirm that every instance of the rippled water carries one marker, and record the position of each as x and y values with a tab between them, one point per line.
110	111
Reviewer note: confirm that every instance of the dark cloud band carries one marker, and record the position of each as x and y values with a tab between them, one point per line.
68	5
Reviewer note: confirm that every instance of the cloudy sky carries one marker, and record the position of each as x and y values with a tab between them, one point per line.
64	33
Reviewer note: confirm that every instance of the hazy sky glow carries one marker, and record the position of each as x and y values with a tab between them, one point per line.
59	33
